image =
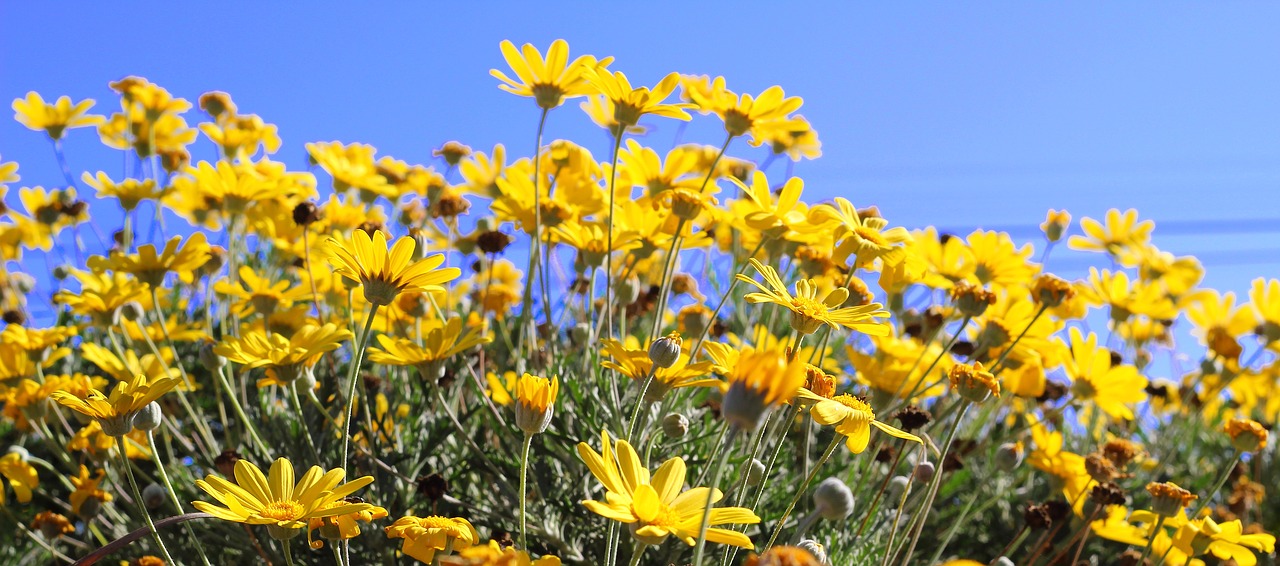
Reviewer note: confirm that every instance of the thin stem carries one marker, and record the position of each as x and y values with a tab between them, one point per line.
137	496
715	481
1217	486
697	344
1151	538
173	496
935	483
635	412
239	409
608	258
302	421
288	552
1005	354
353	375
835	443
897	519
524	489
871	510
535	242
637	553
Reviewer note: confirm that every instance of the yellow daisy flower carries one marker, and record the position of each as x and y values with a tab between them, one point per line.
441	342
285	507
629	104
150	267
657	506
425	536
22	477
548	81
1121	230
36	114
851	417
115	412
386	273
807	312
130	192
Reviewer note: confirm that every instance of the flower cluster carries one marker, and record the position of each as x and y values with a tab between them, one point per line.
443	333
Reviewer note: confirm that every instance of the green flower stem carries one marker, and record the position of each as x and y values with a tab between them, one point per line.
137	496
448	549
897	519
884	484
526	315
697	344
302	422
716	476
288	552
353	376
635	412
1217	486
935	483
638	553
782	521
524	489
173	496
1151	538
664	289
608	258
239	409
945	350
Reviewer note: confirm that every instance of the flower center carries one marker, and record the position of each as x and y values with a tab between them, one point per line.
283	510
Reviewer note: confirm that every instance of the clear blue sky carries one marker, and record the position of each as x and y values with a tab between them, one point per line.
958	115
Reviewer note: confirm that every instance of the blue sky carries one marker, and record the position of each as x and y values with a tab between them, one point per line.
956	115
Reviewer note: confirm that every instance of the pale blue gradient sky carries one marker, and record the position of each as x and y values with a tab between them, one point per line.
957	115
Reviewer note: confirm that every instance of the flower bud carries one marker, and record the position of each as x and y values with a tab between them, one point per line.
1246	435
148	417
627	290
153	496
22	282
665	351
833	499
22	453
211	360
1009	456
973	382
1055	224
815	548
306	380
131	311
61	272
1168	500
924	472
755	472
675	425
1003	561
971	300
580	333
896	486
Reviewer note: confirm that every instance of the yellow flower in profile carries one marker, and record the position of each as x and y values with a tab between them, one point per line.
1264	298
807	312
535	402
851	417
1226	541
341	527
285	359
784	555
276	501
973	382
441	342
36	114
758	381
1121	230
386	273
351	166
87	492
858	235
493	554
130	192
1066	467
743	114
150	266
635	363
8	172
115	412
131	365
260	294
798	141
1113	290
425	536
774	218
548	81
1056	223
1246	435
629	104
1113	388
657	507
21	476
